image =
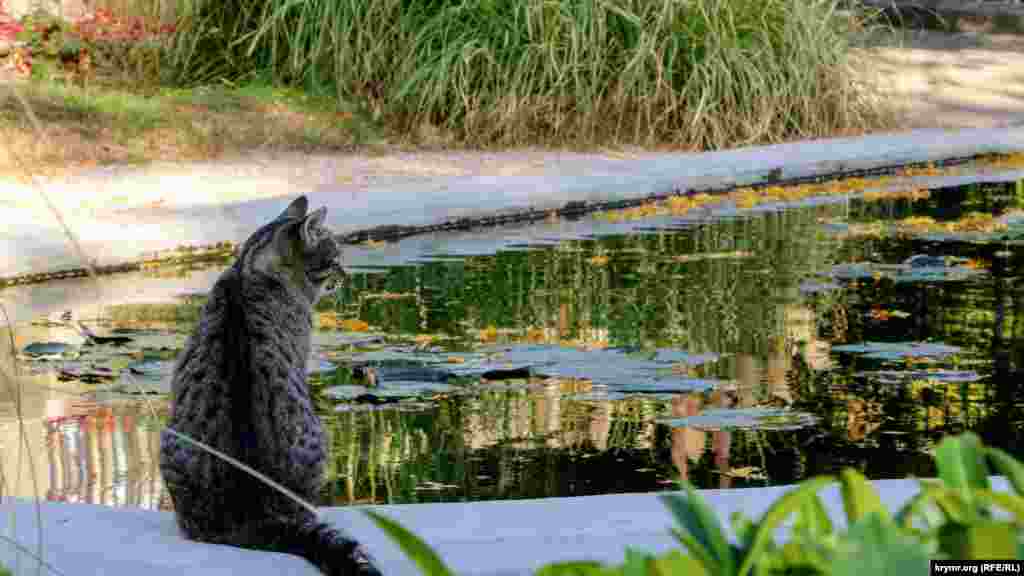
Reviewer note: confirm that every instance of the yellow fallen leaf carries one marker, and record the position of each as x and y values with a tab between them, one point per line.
354	325
489	334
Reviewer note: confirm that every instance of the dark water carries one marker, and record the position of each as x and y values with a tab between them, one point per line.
730	348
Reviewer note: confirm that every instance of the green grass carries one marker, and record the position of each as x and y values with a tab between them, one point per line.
104	124
697	74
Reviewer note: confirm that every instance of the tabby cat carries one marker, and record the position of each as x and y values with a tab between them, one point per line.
240	386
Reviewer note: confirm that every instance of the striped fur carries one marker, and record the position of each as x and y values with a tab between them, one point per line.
240	386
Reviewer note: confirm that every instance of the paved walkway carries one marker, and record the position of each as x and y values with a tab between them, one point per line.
944	80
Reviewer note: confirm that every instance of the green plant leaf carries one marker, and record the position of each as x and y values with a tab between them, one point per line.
702	554
859	496
637	563
421	554
920	506
675	562
980	541
1008	466
812	519
744	528
949	501
961	464
696	517
776	514
874	545
1010	502
576	569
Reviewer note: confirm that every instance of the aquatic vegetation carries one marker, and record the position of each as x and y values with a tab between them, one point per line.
898	350
757	418
936	375
918	268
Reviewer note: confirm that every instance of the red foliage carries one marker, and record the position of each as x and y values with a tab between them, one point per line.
9	27
104	25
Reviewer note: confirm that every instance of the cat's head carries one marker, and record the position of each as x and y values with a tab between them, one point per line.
295	248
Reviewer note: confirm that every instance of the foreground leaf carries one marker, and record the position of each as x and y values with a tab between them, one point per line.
425	558
695	517
776	514
859	496
1008	466
981	541
962	468
675	562
576	569
877	547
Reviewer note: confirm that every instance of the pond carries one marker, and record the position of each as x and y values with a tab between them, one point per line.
752	339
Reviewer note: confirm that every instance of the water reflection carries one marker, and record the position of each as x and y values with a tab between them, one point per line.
103	455
774	311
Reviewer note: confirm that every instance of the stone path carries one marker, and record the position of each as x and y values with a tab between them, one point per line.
946	80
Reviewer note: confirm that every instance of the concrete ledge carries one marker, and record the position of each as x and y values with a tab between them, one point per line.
481	538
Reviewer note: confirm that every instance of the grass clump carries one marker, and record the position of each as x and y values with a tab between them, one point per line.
698	74
118	125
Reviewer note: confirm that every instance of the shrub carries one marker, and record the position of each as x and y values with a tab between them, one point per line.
696	74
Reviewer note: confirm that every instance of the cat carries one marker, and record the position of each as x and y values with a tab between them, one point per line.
240	387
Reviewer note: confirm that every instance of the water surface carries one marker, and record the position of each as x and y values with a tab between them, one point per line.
736	344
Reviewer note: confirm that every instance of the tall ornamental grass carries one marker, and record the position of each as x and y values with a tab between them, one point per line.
686	73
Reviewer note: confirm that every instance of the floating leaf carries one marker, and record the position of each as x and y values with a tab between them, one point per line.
898	350
875	546
317	366
744	418
345	392
48	350
939	375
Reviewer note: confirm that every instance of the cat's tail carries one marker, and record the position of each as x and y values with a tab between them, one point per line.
327	548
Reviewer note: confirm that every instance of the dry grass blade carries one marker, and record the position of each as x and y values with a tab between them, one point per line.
13	385
42	562
12	382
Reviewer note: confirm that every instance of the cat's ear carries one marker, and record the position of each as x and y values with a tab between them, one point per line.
312	227
296	210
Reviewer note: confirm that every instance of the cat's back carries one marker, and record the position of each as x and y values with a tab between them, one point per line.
201	383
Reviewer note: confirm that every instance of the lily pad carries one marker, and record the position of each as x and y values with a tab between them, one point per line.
898	350
811	287
151	368
626	369
324	339
317	366
772	419
919	268
670	385
85	373
345	392
897	376
48	350
412	389
393	407
596	396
